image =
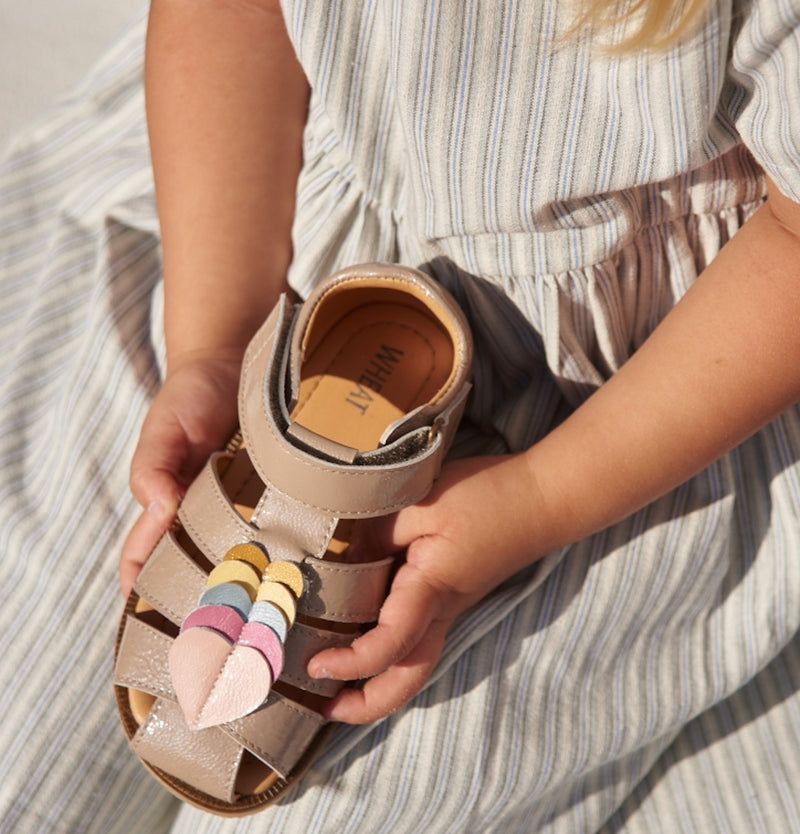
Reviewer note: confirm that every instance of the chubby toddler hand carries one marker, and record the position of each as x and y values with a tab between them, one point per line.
192	415
471	533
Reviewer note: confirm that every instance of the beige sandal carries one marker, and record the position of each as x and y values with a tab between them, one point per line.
347	406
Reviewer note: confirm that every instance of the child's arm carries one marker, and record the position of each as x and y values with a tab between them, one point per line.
226	106
723	362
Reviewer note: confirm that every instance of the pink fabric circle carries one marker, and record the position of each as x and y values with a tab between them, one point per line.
221	618
261	637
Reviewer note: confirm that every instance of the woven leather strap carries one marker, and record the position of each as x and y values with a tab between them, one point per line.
278	734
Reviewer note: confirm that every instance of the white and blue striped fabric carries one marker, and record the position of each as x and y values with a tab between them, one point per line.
644	680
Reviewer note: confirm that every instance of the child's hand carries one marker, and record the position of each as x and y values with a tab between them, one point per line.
727	347
472	532
193	415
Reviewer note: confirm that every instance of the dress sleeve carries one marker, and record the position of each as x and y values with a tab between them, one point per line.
765	75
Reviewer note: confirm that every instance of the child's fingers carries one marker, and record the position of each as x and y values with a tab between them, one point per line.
155	486
157	491
406	616
158	460
395	687
154	473
192	415
139	543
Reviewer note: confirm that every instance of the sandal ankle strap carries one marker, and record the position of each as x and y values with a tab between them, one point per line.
373	483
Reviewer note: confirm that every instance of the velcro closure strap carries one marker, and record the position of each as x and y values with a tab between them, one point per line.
346	491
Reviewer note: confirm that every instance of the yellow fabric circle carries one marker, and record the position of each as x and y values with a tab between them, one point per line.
288	574
250	553
280	596
242	573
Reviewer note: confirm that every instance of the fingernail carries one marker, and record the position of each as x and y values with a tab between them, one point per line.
317	674
156	509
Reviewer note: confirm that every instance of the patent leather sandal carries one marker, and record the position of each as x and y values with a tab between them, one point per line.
348	404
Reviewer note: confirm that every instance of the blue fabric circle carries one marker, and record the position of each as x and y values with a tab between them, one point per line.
230	594
269	615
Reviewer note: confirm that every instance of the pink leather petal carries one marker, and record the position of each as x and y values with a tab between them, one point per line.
242	686
266	641
195	660
222	618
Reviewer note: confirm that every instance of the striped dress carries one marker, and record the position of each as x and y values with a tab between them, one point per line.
646	679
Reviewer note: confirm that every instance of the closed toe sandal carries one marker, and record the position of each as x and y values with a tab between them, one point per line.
347	406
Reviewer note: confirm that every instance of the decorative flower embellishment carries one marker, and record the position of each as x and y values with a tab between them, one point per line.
230	648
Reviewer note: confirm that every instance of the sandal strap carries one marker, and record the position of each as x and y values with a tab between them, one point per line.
170	580
278	733
206	760
344	592
143	659
213	521
302	643
377	483
337	591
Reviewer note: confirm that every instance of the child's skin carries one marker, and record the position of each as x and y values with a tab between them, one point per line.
226	105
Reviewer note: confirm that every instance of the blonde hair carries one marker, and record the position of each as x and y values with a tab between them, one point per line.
654	24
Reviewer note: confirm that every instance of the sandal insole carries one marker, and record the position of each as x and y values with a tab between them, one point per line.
375	364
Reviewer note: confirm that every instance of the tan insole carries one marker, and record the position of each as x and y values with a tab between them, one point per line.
376	363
